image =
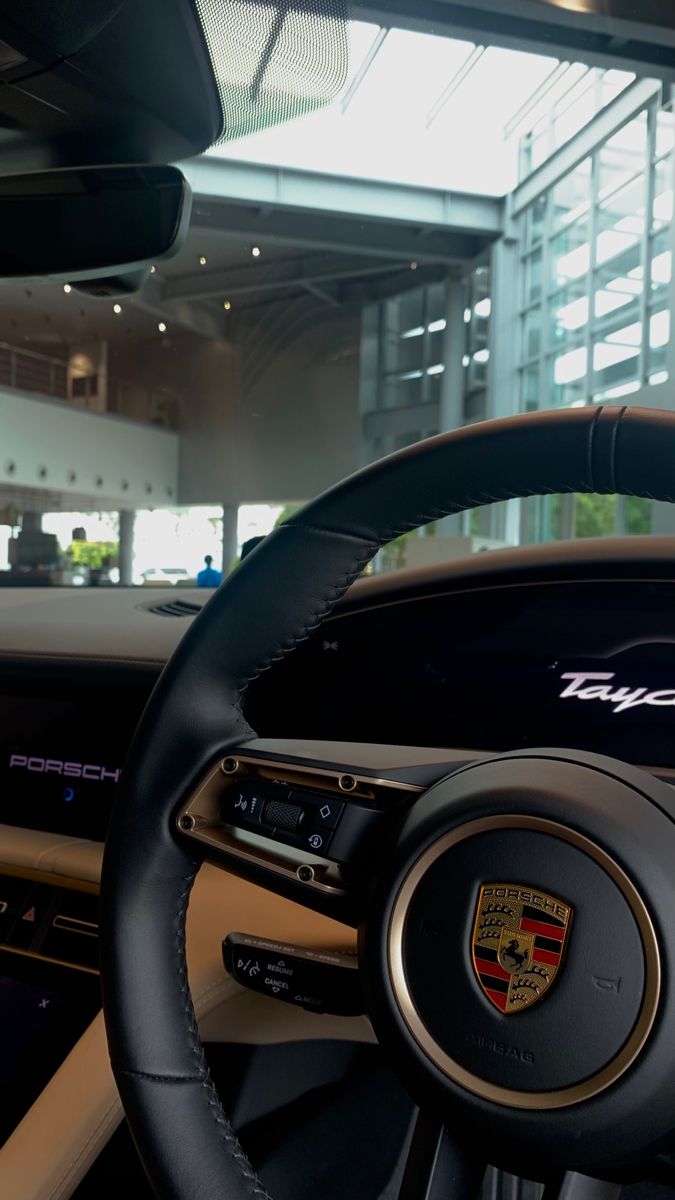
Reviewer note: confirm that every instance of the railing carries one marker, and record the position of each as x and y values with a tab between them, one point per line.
31	372
43	375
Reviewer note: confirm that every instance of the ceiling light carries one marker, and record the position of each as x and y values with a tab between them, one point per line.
413	266
227	305
162	327
255	251
117	308
152	270
67	288
202	260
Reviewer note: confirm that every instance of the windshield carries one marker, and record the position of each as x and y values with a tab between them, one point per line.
470	230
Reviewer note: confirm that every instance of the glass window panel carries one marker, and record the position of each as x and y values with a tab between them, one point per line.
479	289
410	309
531	344
659	329
578	112
424	61
537	147
361	35
512	75
656	365
410	353
409	438
662	207
533	277
478	331
475	406
571	197
436	348
616	360
436	301
542	518
534	222
623	156
401	391
621	222
434	384
569	376
570	253
617	392
477	373
661	267
569	312
665	132
616	299
403	329
529	389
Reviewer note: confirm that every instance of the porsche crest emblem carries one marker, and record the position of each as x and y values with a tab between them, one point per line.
519	937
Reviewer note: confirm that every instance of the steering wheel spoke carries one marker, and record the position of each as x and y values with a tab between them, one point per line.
438	1167
309	820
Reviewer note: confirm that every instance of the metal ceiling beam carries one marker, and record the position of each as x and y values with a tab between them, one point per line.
540	93
391	285
472	59
631	38
329	293
359	76
280	189
604	125
192	318
319	231
273	277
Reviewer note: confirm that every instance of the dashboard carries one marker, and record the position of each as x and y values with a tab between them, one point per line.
566	645
588	664
569	646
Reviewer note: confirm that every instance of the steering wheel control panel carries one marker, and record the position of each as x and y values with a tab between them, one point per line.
295	817
318	980
315	826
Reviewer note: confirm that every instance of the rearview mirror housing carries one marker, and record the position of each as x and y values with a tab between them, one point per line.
107	223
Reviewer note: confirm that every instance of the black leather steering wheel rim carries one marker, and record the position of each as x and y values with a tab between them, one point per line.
268	605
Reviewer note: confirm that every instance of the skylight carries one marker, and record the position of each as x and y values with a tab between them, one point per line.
422	110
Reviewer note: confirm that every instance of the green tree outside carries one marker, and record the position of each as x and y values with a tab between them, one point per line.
92	554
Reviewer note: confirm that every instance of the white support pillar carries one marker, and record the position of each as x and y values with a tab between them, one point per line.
127	519
230	516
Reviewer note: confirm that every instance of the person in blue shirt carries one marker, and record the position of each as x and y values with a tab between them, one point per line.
209	577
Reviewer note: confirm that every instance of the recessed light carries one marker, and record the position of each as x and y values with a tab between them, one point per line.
117	308
67	289
202	260
227	305
162	327
413	266
152	270
255	251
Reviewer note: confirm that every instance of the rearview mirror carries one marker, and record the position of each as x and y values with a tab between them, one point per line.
83	224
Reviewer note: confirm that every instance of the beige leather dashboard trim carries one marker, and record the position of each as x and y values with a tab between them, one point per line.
63	858
71	1121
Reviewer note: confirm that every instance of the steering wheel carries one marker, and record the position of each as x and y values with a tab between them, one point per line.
516	931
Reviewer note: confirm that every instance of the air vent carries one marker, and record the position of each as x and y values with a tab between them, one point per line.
175	608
